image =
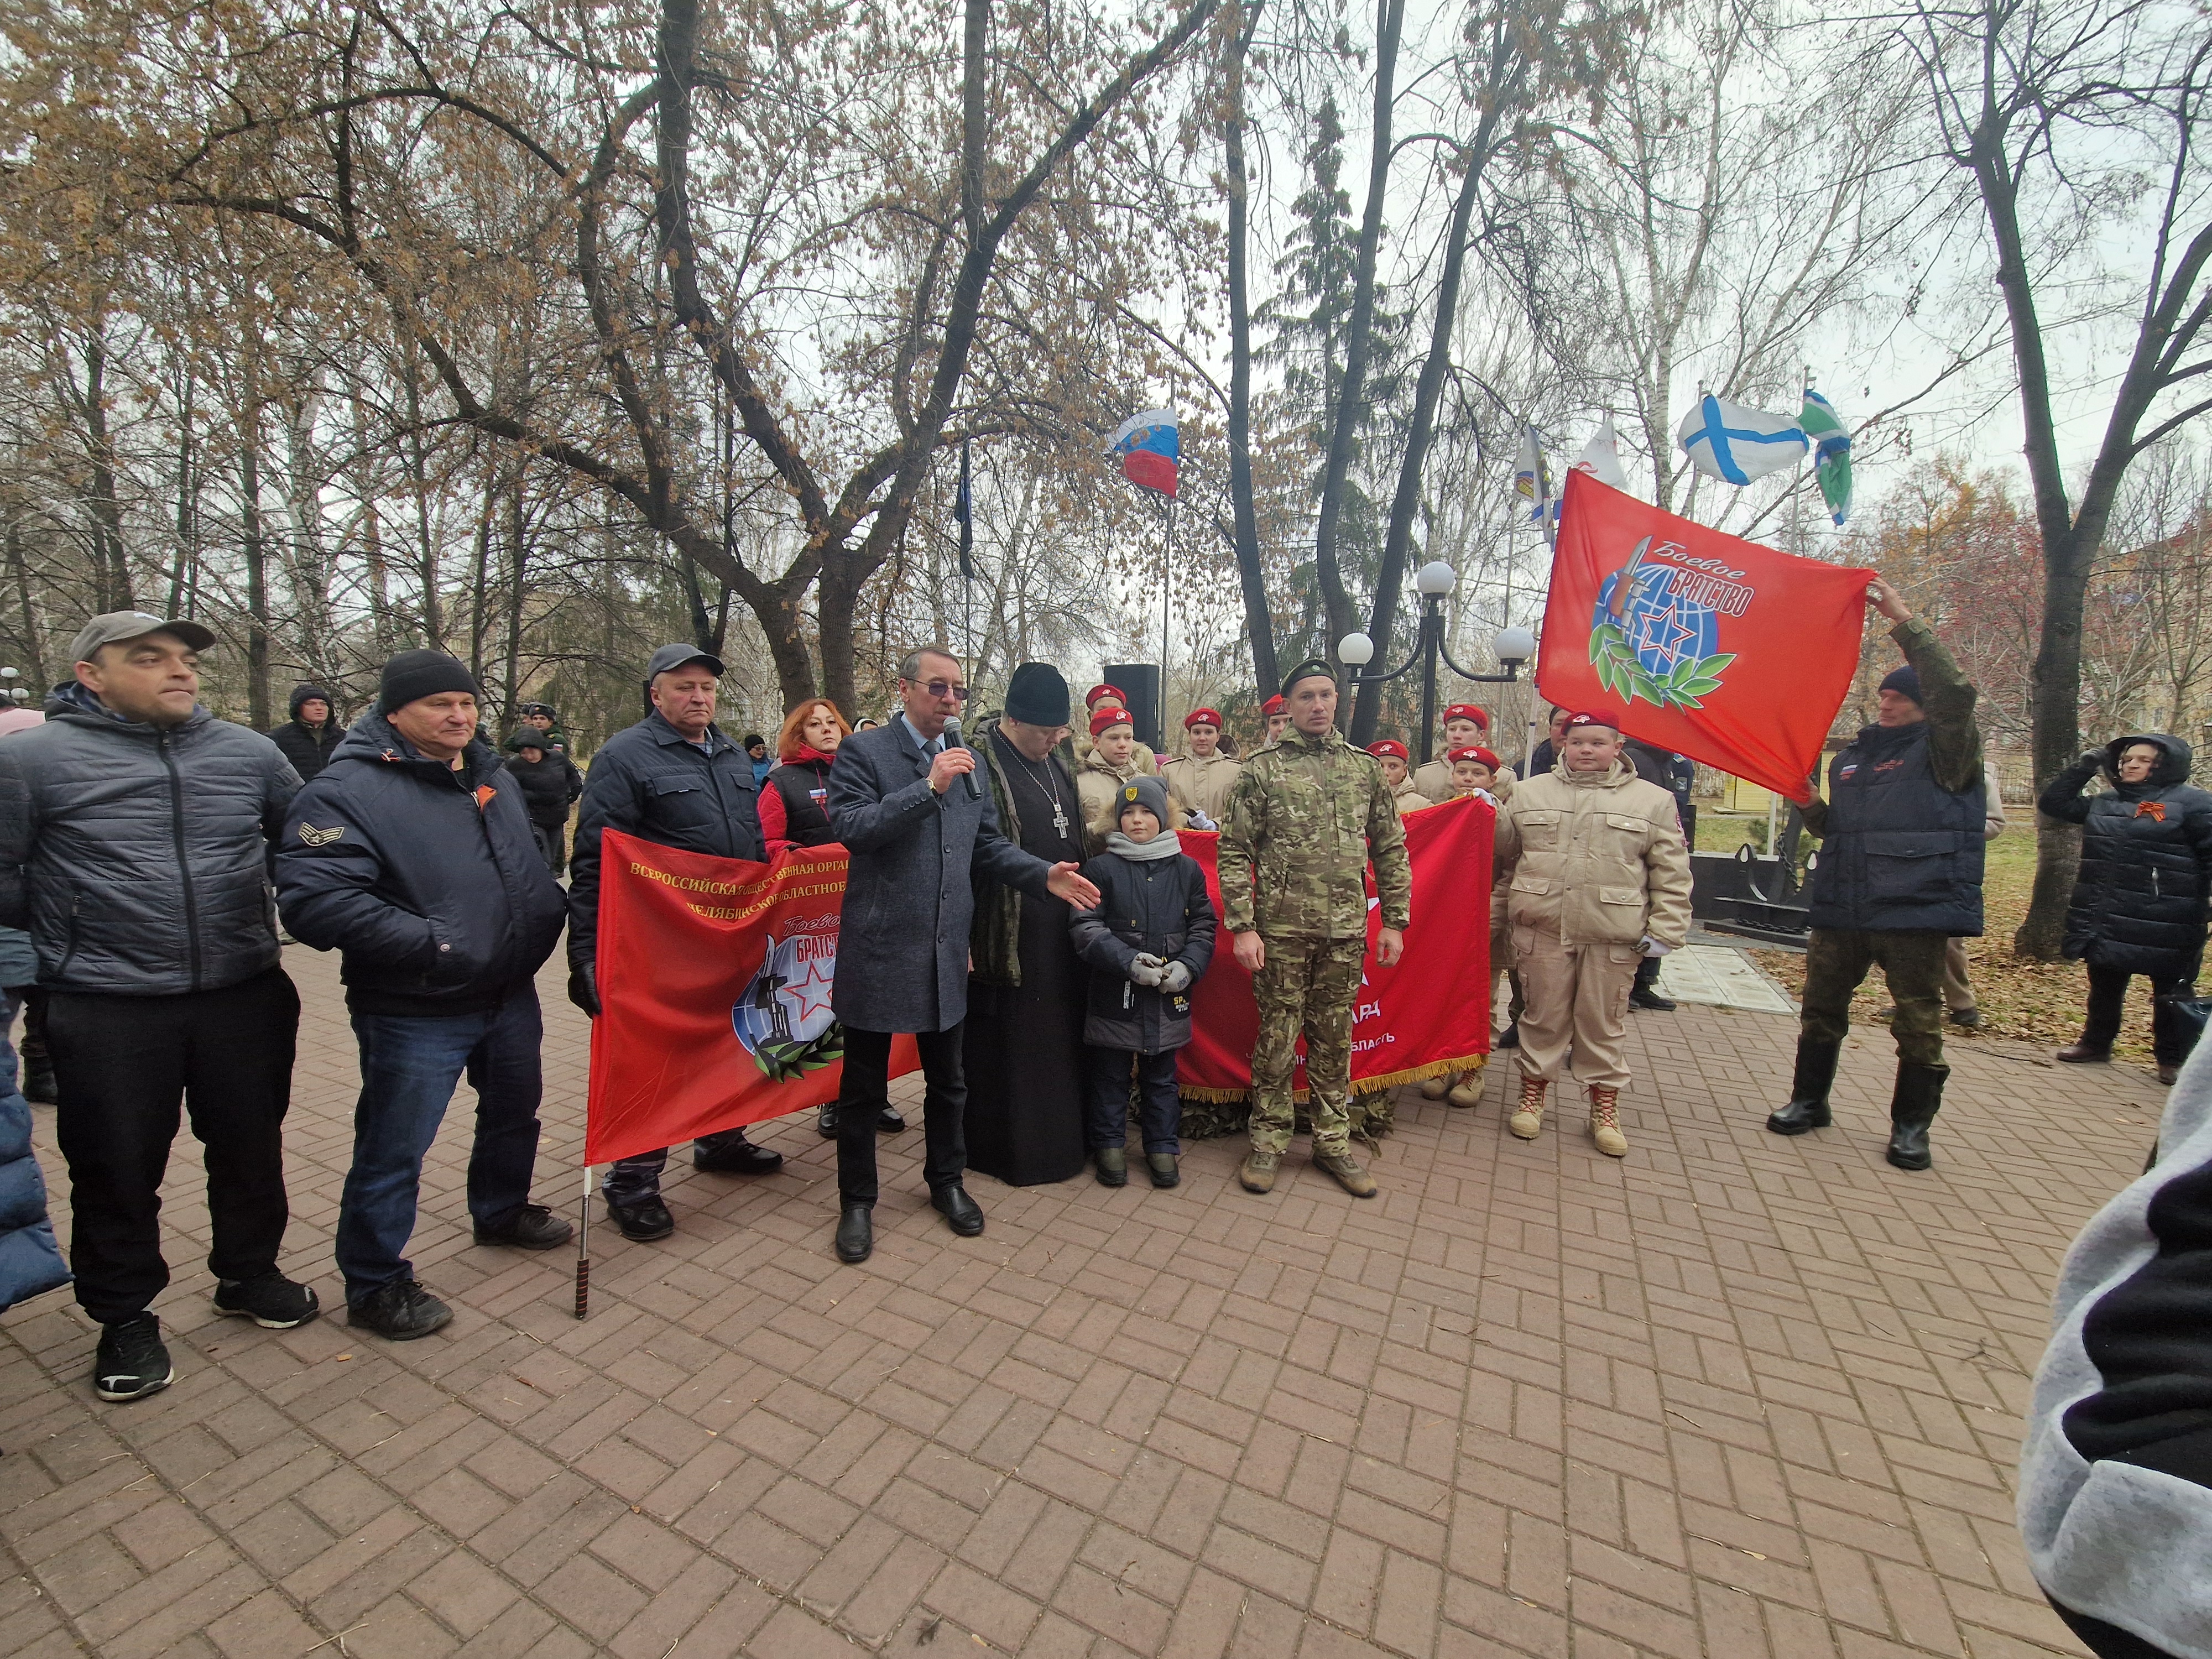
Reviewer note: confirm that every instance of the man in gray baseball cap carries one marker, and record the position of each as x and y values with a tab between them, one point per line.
134	837
674	779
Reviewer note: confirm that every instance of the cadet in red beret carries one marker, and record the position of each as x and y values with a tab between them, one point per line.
1279	718
1199	780
1393	756
1465	726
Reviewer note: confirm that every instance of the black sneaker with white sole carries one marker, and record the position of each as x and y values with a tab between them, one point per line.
271	1301
131	1363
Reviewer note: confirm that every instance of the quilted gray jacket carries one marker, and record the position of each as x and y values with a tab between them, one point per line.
137	859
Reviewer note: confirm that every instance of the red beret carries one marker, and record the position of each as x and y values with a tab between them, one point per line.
1484	755
1274	705
1467	711
1090	697
1604	717
1388	746
1202	717
1107	719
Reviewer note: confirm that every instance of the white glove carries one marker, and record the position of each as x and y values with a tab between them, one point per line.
1652	947
1147	970
1199	821
1177	980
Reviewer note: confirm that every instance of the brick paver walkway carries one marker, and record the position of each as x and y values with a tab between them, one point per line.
1735	1396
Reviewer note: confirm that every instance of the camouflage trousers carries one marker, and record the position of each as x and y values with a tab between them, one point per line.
1837	961
1308	986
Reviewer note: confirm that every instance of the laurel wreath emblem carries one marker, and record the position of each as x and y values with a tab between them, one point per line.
786	1061
1621	673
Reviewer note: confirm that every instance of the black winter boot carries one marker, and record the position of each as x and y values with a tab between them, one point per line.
1912	1110
1808	1090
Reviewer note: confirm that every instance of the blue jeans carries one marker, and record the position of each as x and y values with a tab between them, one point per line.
409	1066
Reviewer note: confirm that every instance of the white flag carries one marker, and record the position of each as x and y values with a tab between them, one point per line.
1735	444
1532	481
1600	457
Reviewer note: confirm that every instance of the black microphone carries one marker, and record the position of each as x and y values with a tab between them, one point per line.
952	741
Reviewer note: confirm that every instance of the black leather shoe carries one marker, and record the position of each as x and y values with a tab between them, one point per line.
734	1156
1510	1037
1912	1107
399	1311
856	1233
961	1212
889	1122
1967	1019
1808	1090
825	1120
643	1221
1111	1165
532	1227
1644	997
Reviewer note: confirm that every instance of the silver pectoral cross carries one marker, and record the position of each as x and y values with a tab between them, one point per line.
1059	818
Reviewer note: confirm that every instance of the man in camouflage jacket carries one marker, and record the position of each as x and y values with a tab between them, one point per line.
1306	815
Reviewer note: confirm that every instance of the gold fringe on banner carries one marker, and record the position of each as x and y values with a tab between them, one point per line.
1360	1086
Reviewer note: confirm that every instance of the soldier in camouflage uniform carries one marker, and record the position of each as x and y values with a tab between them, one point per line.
1304	818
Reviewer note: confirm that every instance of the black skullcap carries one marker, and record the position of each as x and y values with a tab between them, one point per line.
1037	696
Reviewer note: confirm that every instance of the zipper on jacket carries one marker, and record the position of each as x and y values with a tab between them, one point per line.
183	864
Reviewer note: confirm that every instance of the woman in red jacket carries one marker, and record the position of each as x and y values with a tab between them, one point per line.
795	798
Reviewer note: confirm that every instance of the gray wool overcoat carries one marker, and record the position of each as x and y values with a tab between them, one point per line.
903	940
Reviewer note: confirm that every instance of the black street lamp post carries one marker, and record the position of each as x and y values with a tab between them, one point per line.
1435	581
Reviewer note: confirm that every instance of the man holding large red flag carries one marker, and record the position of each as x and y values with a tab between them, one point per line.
1899	876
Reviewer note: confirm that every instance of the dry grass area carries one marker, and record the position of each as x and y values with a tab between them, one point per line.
2037	1002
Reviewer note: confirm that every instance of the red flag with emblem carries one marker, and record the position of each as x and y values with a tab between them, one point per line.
1705	644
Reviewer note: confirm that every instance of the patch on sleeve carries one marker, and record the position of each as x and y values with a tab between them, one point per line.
315	837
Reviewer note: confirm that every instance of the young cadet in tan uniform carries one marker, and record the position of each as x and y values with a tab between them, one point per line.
1099	698
1392	755
1592	876
1199	781
1465	726
1278	714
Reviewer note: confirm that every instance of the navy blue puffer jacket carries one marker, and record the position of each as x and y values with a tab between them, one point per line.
2139	903
426	877
136	856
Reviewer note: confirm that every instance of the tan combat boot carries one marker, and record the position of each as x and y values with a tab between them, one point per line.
1435	1087
1527	1119
1467	1090
1349	1175
1605	1121
1258	1171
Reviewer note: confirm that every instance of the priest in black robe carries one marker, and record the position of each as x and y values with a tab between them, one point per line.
1023	1048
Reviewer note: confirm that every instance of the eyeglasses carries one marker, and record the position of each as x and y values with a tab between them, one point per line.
945	689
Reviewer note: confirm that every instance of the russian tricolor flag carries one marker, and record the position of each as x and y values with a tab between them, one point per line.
1150	452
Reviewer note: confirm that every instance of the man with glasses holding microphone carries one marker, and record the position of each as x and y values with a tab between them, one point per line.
921	828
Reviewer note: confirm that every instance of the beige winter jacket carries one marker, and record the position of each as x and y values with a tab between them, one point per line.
1410	799
1596	860
1201	786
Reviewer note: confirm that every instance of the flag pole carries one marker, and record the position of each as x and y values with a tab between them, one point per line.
1167	590
583	1248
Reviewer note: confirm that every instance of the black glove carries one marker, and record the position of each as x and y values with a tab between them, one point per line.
584	988
2089	760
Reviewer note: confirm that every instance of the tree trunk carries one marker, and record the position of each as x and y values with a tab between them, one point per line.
1251	576
1336	603
1430	392
33	653
518	590
112	563
257	571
